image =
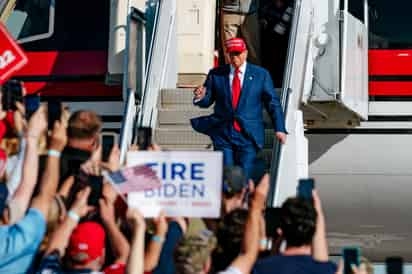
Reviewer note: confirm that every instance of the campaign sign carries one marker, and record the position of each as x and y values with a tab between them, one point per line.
12	58
191	183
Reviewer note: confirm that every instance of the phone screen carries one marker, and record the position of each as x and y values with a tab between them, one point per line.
305	188
96	184
394	265
351	256
54	111
108	140
144	137
32	103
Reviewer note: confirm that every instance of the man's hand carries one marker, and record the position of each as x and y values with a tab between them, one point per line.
80	205
58	137
136	219
281	136
199	92
37	124
161	224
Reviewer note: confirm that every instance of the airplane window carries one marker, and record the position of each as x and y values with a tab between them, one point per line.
30	20
390	25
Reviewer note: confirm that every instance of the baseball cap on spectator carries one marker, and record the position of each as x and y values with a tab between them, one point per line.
4	193
235	45
193	251
118	268
234	180
87	242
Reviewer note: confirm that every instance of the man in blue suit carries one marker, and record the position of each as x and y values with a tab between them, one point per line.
238	90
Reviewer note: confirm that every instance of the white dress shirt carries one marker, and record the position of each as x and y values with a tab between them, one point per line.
242	70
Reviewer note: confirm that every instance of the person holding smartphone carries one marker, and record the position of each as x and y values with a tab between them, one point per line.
302	226
83	138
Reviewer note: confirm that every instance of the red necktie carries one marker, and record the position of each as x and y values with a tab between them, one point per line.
236	95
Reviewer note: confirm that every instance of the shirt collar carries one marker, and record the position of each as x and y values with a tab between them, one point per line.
242	68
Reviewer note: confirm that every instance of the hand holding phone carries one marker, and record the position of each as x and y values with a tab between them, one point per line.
31	104
305	188
12	92
54	113
351	256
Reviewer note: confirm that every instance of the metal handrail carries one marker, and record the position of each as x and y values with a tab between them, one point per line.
284	100
133	78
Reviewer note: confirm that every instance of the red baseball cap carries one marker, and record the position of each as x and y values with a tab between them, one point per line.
235	45
87	242
118	268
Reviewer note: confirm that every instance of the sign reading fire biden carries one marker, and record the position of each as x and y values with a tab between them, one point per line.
191	183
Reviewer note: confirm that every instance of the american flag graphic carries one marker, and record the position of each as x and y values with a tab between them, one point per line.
134	179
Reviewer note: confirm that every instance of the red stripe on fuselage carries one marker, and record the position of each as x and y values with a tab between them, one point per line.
68	64
390	62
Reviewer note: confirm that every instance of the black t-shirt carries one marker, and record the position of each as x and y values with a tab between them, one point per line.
300	264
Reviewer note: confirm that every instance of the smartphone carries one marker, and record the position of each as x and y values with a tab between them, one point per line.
32	104
351	256
96	185
108	140
305	188
394	265
54	112
272	220
83	180
12	92
144	137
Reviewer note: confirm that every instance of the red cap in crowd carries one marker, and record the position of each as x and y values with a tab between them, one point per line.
235	45
87	242
115	269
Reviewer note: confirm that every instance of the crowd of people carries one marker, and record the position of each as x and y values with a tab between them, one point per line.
51	224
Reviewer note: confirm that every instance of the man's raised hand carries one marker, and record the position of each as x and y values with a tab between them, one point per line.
199	92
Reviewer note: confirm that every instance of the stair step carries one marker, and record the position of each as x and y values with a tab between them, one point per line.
173	116
187	136
182	116
178	96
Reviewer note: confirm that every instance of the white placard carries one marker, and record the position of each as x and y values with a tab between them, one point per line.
191	183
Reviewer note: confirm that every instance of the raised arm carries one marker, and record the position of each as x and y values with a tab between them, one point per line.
61	236
154	248
50	179
245	261
118	241
135	262
37	126
320	244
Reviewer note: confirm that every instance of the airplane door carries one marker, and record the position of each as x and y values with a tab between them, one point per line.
354	56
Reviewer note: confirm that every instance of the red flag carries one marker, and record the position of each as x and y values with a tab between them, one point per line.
12	57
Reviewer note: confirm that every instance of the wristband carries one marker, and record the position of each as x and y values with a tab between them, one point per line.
263	243
54	153
73	215
157	239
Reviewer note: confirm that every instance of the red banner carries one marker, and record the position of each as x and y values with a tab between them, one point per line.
12	57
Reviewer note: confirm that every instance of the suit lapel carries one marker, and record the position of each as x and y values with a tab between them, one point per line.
247	83
227	87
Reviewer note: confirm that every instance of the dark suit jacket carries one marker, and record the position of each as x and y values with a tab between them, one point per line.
257	90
